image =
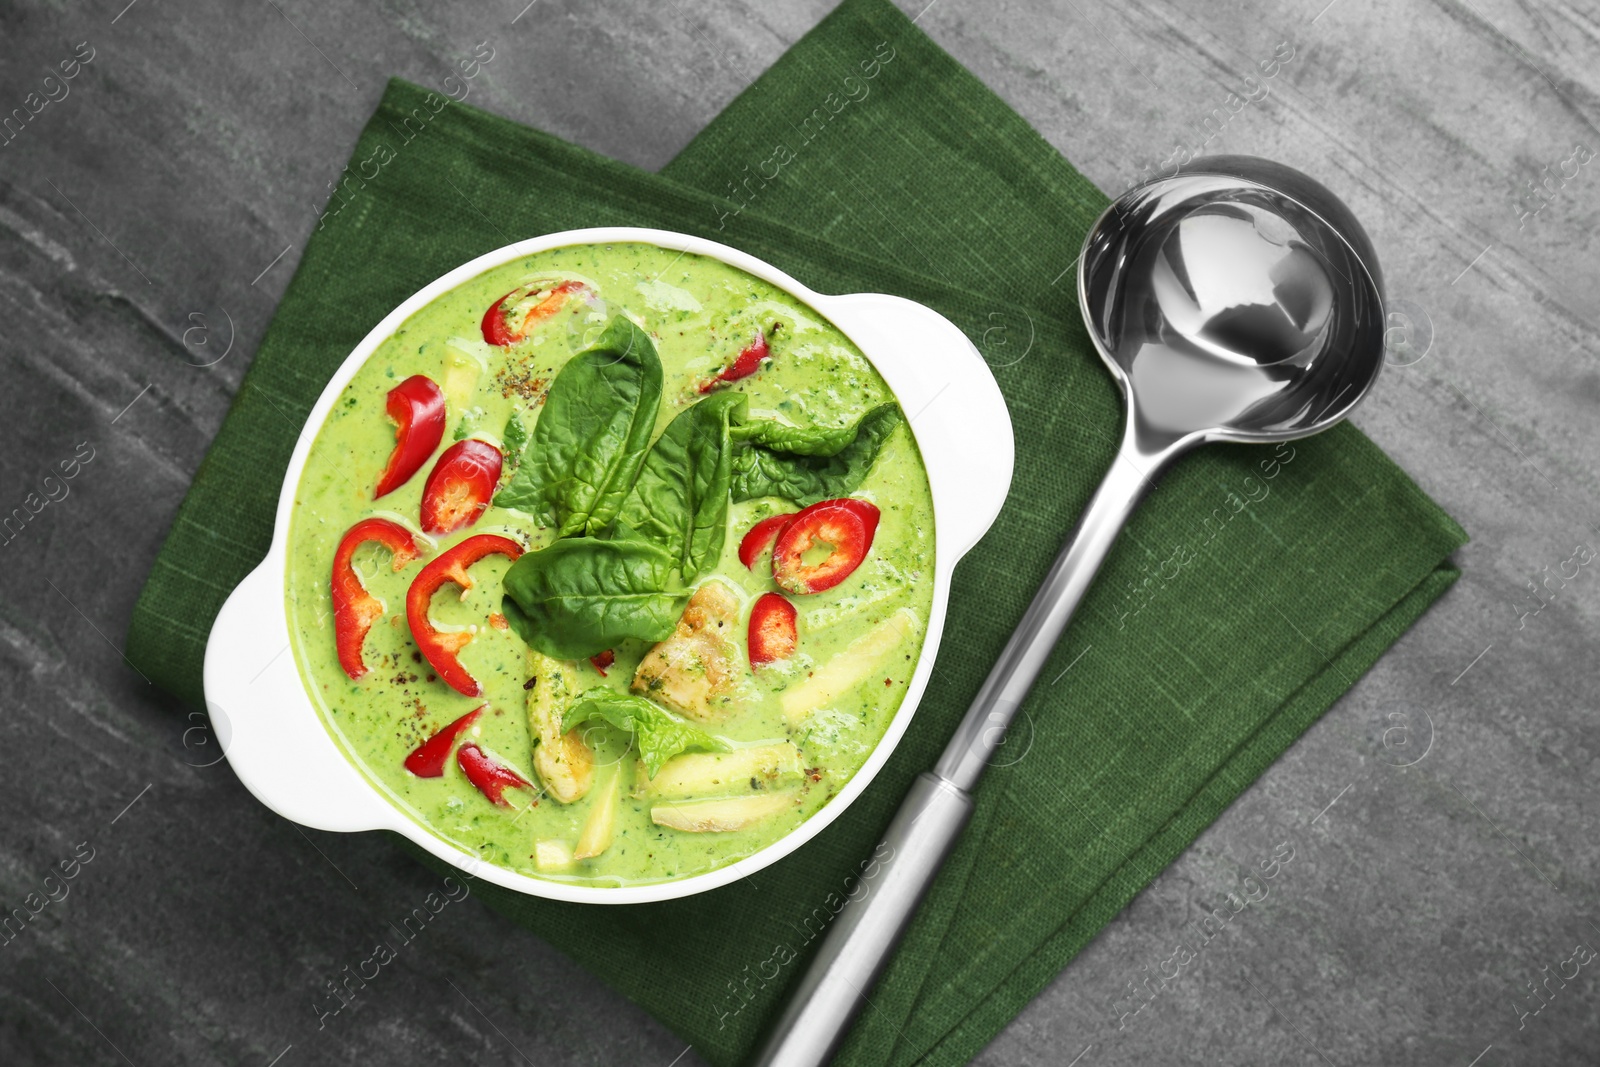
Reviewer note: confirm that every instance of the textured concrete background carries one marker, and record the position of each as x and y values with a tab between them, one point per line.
1441	820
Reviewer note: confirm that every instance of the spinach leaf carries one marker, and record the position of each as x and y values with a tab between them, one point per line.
658	734
515	439
592	435
800	440
761	470
581	595
467	425
681	498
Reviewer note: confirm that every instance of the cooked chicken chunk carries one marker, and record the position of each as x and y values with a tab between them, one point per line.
565	764
695	669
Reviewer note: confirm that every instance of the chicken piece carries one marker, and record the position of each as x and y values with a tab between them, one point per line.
695	669
565	764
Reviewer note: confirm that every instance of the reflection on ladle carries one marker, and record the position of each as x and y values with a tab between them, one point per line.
1233	294
1229	289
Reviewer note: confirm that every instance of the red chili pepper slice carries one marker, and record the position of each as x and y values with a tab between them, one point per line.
355	609
460	485
773	634
746	363
441	649
429	758
491	776
510	318
847	525
603	660
417	407
760	536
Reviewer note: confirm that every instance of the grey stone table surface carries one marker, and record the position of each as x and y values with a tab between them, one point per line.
1442	818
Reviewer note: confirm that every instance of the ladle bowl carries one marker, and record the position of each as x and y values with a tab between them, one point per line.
1237	301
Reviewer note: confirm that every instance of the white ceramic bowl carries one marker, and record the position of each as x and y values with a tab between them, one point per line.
276	741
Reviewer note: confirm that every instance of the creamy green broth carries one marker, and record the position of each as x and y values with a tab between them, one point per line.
699	312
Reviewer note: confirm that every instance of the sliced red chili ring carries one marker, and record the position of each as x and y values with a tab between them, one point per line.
760	536
773	631
846	525
417	407
442	649
355	609
491	776
460	486
746	363
429	758
603	660
867	511
510	318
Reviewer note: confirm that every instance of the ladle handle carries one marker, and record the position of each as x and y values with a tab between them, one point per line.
896	877
983	727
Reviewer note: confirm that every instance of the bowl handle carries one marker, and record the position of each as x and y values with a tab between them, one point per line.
940	380
285	757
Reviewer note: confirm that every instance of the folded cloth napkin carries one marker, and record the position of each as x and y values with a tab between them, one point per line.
1253	587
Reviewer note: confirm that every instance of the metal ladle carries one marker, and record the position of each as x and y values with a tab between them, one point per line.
1236	301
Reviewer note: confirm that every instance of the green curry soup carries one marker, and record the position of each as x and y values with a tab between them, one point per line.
724	703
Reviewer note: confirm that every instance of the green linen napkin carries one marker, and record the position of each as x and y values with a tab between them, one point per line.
1253	587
